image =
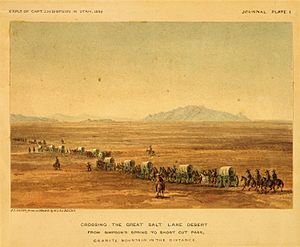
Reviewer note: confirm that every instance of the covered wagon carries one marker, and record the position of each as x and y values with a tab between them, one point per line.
109	163
61	149
226	177
146	169
129	166
51	148
80	150
184	173
104	154
185	168
95	151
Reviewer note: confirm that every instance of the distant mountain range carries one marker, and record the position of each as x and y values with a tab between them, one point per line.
187	113
67	118
56	118
21	118
195	114
97	121
86	118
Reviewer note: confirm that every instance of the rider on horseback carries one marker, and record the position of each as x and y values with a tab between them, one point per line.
56	165
159	180
257	176
89	167
274	175
150	151
248	175
268	175
214	176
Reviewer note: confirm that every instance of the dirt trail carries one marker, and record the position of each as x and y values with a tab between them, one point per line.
73	187
252	145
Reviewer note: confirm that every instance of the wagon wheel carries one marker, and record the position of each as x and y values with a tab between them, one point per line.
226	181
219	182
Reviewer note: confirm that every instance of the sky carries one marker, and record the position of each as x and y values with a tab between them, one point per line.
132	69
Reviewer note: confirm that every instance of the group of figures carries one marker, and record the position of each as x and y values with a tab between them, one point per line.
147	170
262	183
19	139
38	145
183	174
42	146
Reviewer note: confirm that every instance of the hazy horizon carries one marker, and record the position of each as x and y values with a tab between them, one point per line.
130	70
95	117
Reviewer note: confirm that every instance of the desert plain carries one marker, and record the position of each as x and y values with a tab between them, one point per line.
206	145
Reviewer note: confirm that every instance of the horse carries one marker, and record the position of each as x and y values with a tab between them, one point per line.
100	164
162	170
258	179
119	167
248	183
153	173
267	182
204	179
56	165
150	151
196	178
171	174
137	171
39	148
89	154
213	177
160	188
279	184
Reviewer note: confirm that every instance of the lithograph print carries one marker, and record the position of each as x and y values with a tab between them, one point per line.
151	115
154	123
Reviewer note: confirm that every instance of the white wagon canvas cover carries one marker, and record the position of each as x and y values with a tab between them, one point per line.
226	171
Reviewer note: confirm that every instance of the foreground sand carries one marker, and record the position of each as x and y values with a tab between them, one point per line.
34	183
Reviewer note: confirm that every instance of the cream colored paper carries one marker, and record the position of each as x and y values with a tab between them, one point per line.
225	227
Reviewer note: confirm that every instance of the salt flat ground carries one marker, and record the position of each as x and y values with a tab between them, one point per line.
262	145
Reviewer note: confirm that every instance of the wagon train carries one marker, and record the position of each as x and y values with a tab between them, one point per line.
224	176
